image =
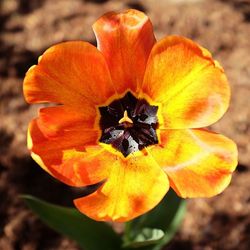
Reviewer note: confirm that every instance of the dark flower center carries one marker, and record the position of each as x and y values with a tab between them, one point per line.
129	124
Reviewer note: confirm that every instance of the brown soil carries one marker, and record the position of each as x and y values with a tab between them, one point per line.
29	27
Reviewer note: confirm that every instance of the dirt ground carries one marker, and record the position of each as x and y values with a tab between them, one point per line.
27	28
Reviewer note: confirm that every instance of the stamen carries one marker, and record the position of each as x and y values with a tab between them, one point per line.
130	130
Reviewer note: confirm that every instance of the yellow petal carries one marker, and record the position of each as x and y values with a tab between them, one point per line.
191	88
198	163
134	186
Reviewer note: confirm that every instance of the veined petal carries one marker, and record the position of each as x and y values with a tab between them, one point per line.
67	148
134	187
198	163
71	73
125	39
191	87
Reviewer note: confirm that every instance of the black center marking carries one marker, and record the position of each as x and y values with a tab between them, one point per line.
129	137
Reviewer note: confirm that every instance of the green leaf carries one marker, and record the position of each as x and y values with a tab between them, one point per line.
89	234
167	217
146	237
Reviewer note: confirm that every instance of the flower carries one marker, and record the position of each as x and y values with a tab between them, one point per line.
129	114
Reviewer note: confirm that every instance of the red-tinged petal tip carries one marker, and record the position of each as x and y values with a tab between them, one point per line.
125	39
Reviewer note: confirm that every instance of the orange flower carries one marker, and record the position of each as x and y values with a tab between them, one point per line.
130	114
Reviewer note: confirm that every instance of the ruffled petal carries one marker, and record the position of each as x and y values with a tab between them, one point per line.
198	163
134	186
71	73
191	88
125	39
65	144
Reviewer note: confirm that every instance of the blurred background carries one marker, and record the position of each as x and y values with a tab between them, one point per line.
28	28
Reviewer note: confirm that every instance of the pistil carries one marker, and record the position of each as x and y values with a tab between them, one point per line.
125	119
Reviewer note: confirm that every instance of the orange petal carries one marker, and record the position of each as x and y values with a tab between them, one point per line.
125	39
72	73
54	120
191	87
199	163
65	145
134	186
